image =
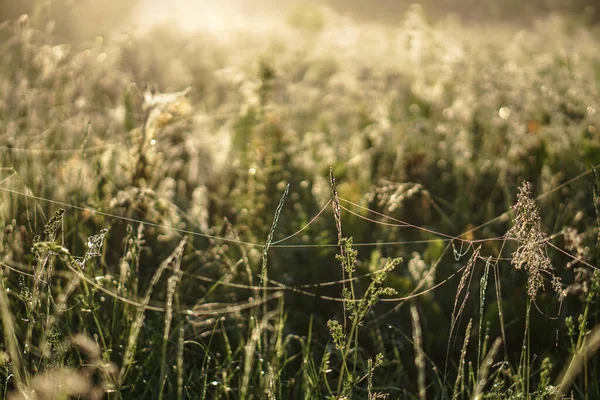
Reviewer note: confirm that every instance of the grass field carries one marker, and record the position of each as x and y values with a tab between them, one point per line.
319	208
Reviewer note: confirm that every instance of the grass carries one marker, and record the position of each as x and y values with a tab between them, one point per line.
256	227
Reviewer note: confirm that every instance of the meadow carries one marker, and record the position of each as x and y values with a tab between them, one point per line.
320	208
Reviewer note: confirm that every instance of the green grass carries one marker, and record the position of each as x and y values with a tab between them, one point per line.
331	210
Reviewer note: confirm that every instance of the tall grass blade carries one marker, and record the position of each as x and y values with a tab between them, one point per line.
10	337
419	353
263	272
171	287
482	289
138	322
577	362
459	384
486	365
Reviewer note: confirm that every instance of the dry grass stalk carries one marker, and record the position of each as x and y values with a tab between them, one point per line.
580	358
263	272
180	343
482	289
461	286
171	287
140	315
460	378
10	338
485	368
419	353
337	214
249	350
456	309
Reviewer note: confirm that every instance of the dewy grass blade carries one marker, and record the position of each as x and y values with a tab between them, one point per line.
263	272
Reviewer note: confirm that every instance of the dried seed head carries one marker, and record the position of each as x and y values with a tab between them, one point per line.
53	225
24	21
94	244
531	253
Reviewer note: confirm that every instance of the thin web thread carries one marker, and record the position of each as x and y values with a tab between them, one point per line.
299	288
241	242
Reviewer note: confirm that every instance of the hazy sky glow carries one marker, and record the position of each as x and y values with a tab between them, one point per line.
193	15
226	15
